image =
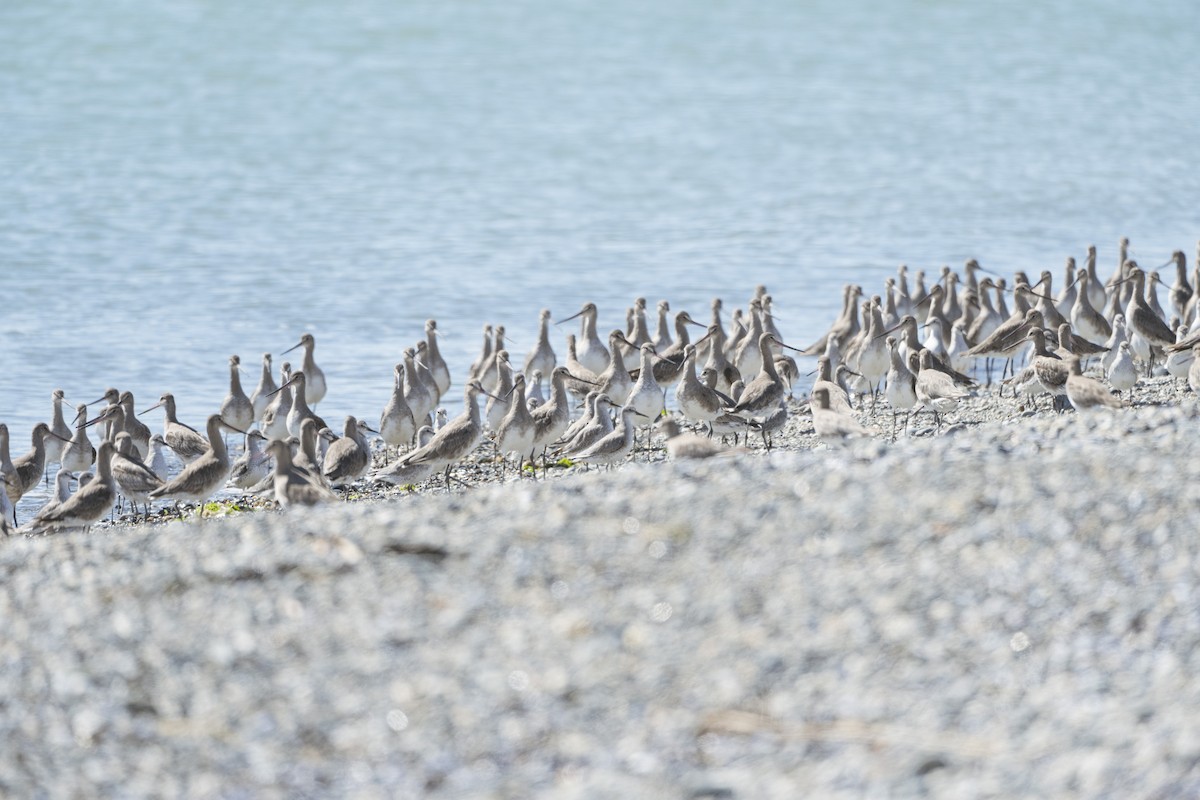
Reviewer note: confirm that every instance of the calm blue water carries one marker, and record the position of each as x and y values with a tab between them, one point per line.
183	180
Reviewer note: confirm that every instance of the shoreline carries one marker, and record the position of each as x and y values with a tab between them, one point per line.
1007	608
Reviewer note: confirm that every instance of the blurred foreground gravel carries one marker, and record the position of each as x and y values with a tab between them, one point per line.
1009	610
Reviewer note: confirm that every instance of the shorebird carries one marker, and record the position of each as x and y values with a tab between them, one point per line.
348	459
589	349
251	467
1051	370
1007	340
831	426
497	404
696	401
397	425
936	390
236	407
1077	345
456	440
533	390
260	398
1181	290
615	381
401	474
274	419
551	419
910	342
111	397
541	356
27	470
156	460
421	399
1113	343
183	440
485	356
1121	373
314	387
300	409
1194	370
205	473
839	398
614	447
78	454
1085	393
901	391
138	431
761	396
598	425
62	432
306	454
662	333
515	432
1142	319
62	492
1097	296
1085	319
727	374
434	360
1179	362
489	375
134	479
294	487
88	505
646	396
686	446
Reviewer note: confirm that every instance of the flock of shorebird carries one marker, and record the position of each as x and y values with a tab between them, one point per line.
733	380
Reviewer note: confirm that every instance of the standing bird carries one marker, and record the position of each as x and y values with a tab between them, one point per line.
28	469
397	425
1142	319
300	410
236	407
156	460
58	424
515	432
251	467
314	387
204	474
614	447
185	441
1085	393
134	479
831	426
457	439
78	454
936	390
1122	373
589	349
294	487
274	419
901	391
87	506
433	357
260	398
541	356
348	458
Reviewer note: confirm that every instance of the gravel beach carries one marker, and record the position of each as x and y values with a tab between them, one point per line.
1009	609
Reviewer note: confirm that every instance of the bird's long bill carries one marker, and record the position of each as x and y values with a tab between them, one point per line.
92	422
892	329
789	347
56	436
97	400
286	384
151	408
568	319
290	349
232	428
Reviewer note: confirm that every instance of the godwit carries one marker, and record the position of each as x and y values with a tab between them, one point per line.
646	396
397	425
300	409
203	475
541	356
614	381
1086	321
496	406
401	474
936	390
1085	393
515	431
88	505
614	447
236	408
421	398
434	360
831	426
78	454
251	467
589	349
27	470
62	432
260	398
687	446
696	401
456	440
348	459
901	391
314	386
274	419
134	479
292	486
183	440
